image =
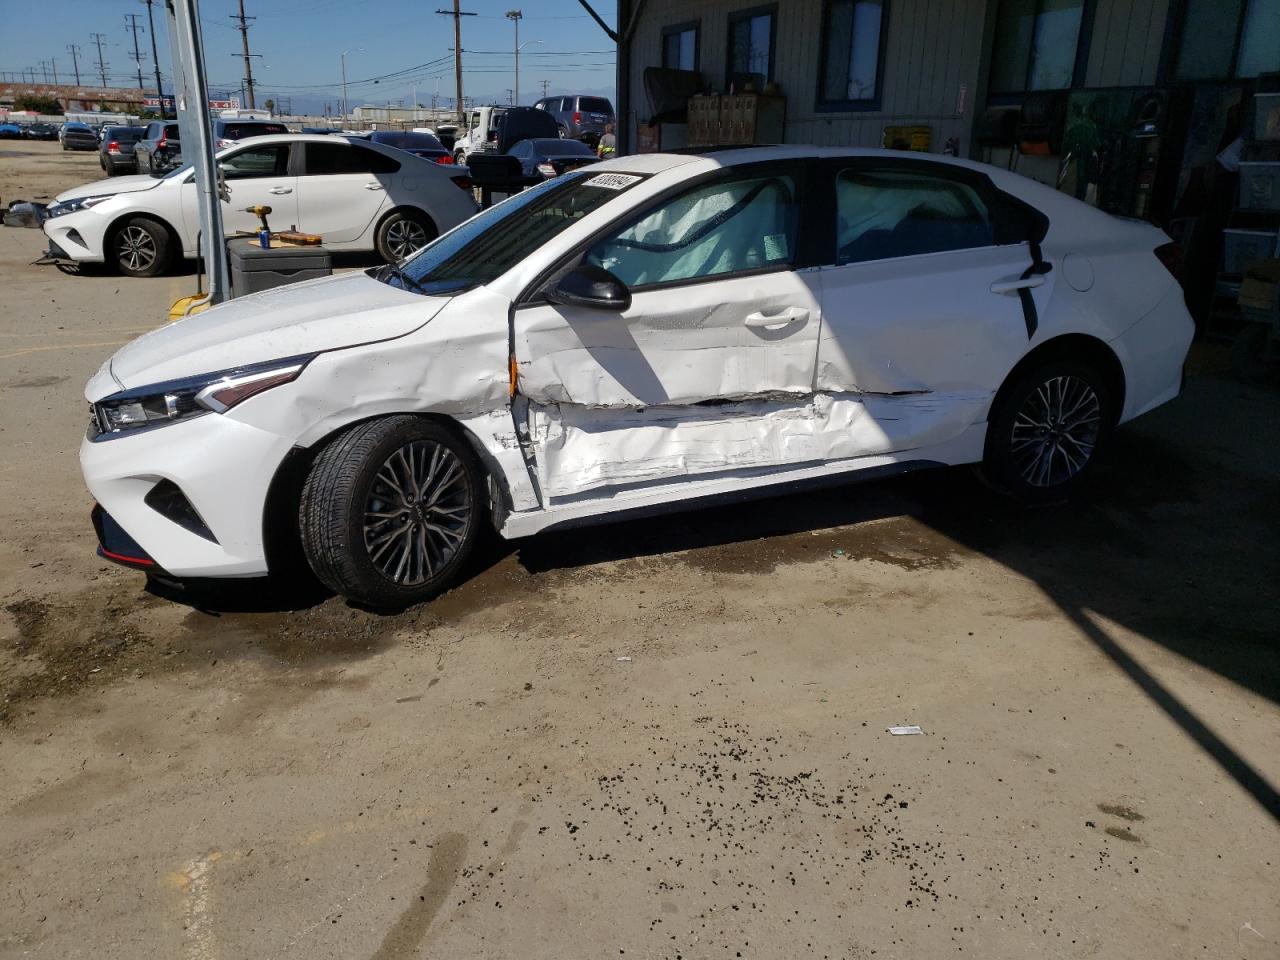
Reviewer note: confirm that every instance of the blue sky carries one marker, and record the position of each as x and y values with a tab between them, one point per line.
300	42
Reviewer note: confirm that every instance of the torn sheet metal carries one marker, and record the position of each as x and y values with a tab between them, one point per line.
579	449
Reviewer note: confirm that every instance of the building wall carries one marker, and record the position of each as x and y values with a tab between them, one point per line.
1125	43
933	48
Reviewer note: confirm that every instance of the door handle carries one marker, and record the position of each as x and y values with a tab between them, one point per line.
774	321
1018	283
373	186
280	191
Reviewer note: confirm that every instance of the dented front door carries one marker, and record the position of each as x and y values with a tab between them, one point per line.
699	375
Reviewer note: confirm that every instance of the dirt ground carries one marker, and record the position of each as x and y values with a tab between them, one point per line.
659	739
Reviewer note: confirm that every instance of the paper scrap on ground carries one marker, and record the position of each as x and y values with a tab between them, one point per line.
905	731
624	659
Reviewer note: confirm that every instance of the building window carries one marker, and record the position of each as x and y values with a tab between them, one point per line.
1228	38
680	46
1035	45
751	36
850	69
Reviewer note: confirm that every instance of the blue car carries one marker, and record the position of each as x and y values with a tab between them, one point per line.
10	131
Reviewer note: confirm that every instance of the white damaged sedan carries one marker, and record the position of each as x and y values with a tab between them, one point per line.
646	334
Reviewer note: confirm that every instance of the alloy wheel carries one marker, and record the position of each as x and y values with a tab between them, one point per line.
404	237
418	512
136	248
1056	431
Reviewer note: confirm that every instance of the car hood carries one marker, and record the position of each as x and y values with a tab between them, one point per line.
102	188
324	314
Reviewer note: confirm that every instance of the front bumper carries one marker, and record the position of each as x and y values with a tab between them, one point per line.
76	236
116	545
222	467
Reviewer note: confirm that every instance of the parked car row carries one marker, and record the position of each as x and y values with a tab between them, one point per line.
10	130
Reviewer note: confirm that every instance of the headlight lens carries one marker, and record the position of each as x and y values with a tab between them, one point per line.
72	206
175	400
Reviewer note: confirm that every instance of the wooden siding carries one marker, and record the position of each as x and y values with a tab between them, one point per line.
933	47
1124	50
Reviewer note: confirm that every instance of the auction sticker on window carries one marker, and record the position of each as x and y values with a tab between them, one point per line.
613	181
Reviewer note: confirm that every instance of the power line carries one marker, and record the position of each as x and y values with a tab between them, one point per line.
137	54
102	64
74	50
248	62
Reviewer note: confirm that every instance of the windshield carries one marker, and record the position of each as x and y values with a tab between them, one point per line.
494	241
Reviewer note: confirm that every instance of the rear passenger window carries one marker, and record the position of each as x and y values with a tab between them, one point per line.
335	158
900	213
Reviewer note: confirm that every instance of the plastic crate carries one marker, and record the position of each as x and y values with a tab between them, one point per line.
1260	185
1266	116
1243	247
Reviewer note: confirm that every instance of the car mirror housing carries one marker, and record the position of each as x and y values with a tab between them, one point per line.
592	287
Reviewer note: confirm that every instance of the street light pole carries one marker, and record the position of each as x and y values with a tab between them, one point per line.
343	57
515	16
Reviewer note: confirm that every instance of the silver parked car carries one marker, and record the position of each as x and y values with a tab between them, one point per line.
579	117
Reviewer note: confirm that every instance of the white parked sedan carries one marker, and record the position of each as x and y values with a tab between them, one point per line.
356	196
641	335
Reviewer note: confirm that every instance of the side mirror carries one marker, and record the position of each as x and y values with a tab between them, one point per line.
592	287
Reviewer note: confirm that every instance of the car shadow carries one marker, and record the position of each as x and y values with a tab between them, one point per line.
1174	541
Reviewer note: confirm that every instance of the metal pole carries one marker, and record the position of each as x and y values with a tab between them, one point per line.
248	62
155	57
457	61
75	62
102	66
514	16
344	83
191	96
137	54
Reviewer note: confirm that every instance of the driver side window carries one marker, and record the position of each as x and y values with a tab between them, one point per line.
727	227
266	161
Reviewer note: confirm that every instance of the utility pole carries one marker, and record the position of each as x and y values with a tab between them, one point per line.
248	61
155	57
458	13
545	84
102	64
515	16
44	67
74	50
137	54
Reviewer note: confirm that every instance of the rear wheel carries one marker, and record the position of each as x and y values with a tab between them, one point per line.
402	233
391	510
1047	429
141	248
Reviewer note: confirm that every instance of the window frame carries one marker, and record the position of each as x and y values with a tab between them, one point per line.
289	160
1175	28
803	170
821	105
303	166
748	14
1004	208
1079	68
676	29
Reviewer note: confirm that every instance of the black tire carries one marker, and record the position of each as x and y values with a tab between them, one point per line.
1048	428
376	546
140	247
403	232
459	158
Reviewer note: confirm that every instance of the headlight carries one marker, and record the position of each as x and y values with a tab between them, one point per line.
76	205
162	403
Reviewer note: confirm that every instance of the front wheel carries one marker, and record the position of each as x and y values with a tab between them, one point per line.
391	510
1047	430
141	248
